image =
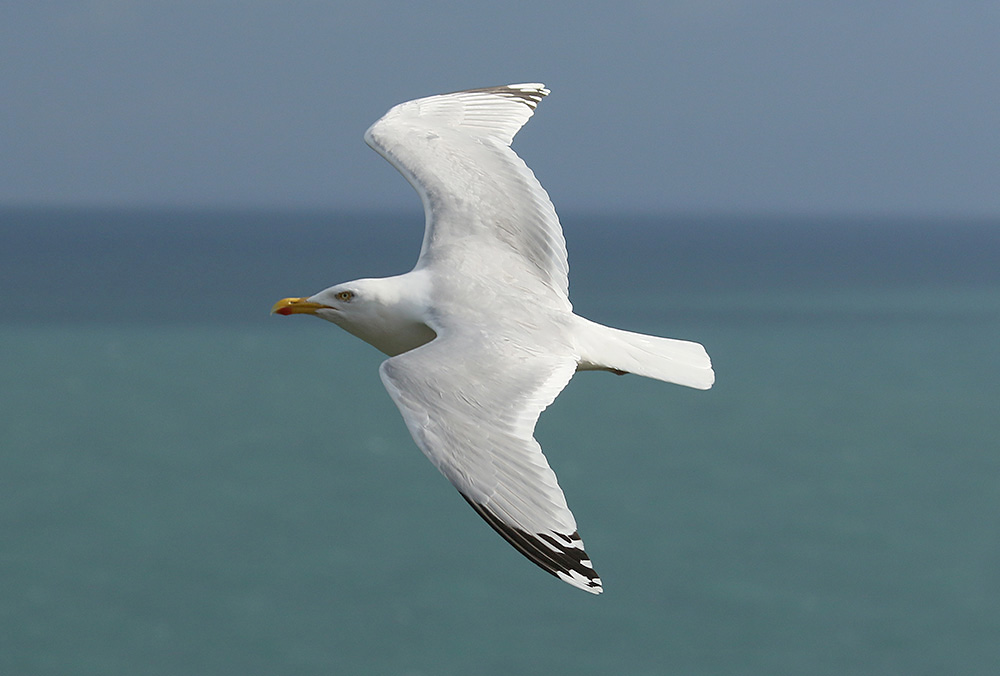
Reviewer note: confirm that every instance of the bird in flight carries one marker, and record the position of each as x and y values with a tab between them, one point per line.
481	335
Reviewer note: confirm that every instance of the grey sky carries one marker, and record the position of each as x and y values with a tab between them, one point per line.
781	106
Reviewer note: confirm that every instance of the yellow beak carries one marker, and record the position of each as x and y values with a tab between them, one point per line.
295	306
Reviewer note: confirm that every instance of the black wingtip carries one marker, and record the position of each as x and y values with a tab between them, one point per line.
556	553
529	93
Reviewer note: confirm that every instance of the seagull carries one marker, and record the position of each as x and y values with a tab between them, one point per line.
481	335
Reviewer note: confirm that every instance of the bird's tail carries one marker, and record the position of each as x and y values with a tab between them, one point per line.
675	361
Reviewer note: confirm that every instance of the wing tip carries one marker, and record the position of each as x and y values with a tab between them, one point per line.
590	585
531	93
528	93
558	554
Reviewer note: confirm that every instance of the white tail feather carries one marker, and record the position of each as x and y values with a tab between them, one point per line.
674	361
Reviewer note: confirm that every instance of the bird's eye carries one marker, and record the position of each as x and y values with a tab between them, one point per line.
345	296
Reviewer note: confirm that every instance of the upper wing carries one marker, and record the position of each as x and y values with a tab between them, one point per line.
472	411
455	150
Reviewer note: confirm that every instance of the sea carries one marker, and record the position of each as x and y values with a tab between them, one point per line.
192	486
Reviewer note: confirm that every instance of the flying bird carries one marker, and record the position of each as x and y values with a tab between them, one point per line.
481	335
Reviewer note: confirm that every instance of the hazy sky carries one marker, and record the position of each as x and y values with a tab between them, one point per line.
721	105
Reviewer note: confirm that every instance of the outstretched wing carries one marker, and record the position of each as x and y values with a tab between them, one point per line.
455	150
472	410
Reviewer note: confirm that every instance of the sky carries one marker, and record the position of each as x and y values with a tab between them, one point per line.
722	106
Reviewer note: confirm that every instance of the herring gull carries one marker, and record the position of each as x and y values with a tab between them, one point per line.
481	335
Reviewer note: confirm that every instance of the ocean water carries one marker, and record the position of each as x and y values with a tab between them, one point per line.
191	486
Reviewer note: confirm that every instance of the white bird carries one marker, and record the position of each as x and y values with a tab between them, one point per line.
481	334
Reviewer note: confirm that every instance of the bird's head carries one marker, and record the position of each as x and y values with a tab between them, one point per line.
343	304
382	312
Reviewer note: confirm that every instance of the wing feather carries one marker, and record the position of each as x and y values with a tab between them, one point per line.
455	151
472	410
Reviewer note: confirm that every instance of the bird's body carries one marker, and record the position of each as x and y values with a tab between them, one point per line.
481	333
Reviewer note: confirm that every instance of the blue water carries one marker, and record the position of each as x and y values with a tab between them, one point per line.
191	486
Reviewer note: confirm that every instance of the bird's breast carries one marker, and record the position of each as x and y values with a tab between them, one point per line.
395	336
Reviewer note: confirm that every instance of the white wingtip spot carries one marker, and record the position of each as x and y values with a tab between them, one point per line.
594	586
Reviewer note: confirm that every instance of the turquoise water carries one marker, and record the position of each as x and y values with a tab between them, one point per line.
191	486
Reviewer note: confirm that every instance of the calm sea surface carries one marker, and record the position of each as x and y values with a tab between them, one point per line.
191	486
